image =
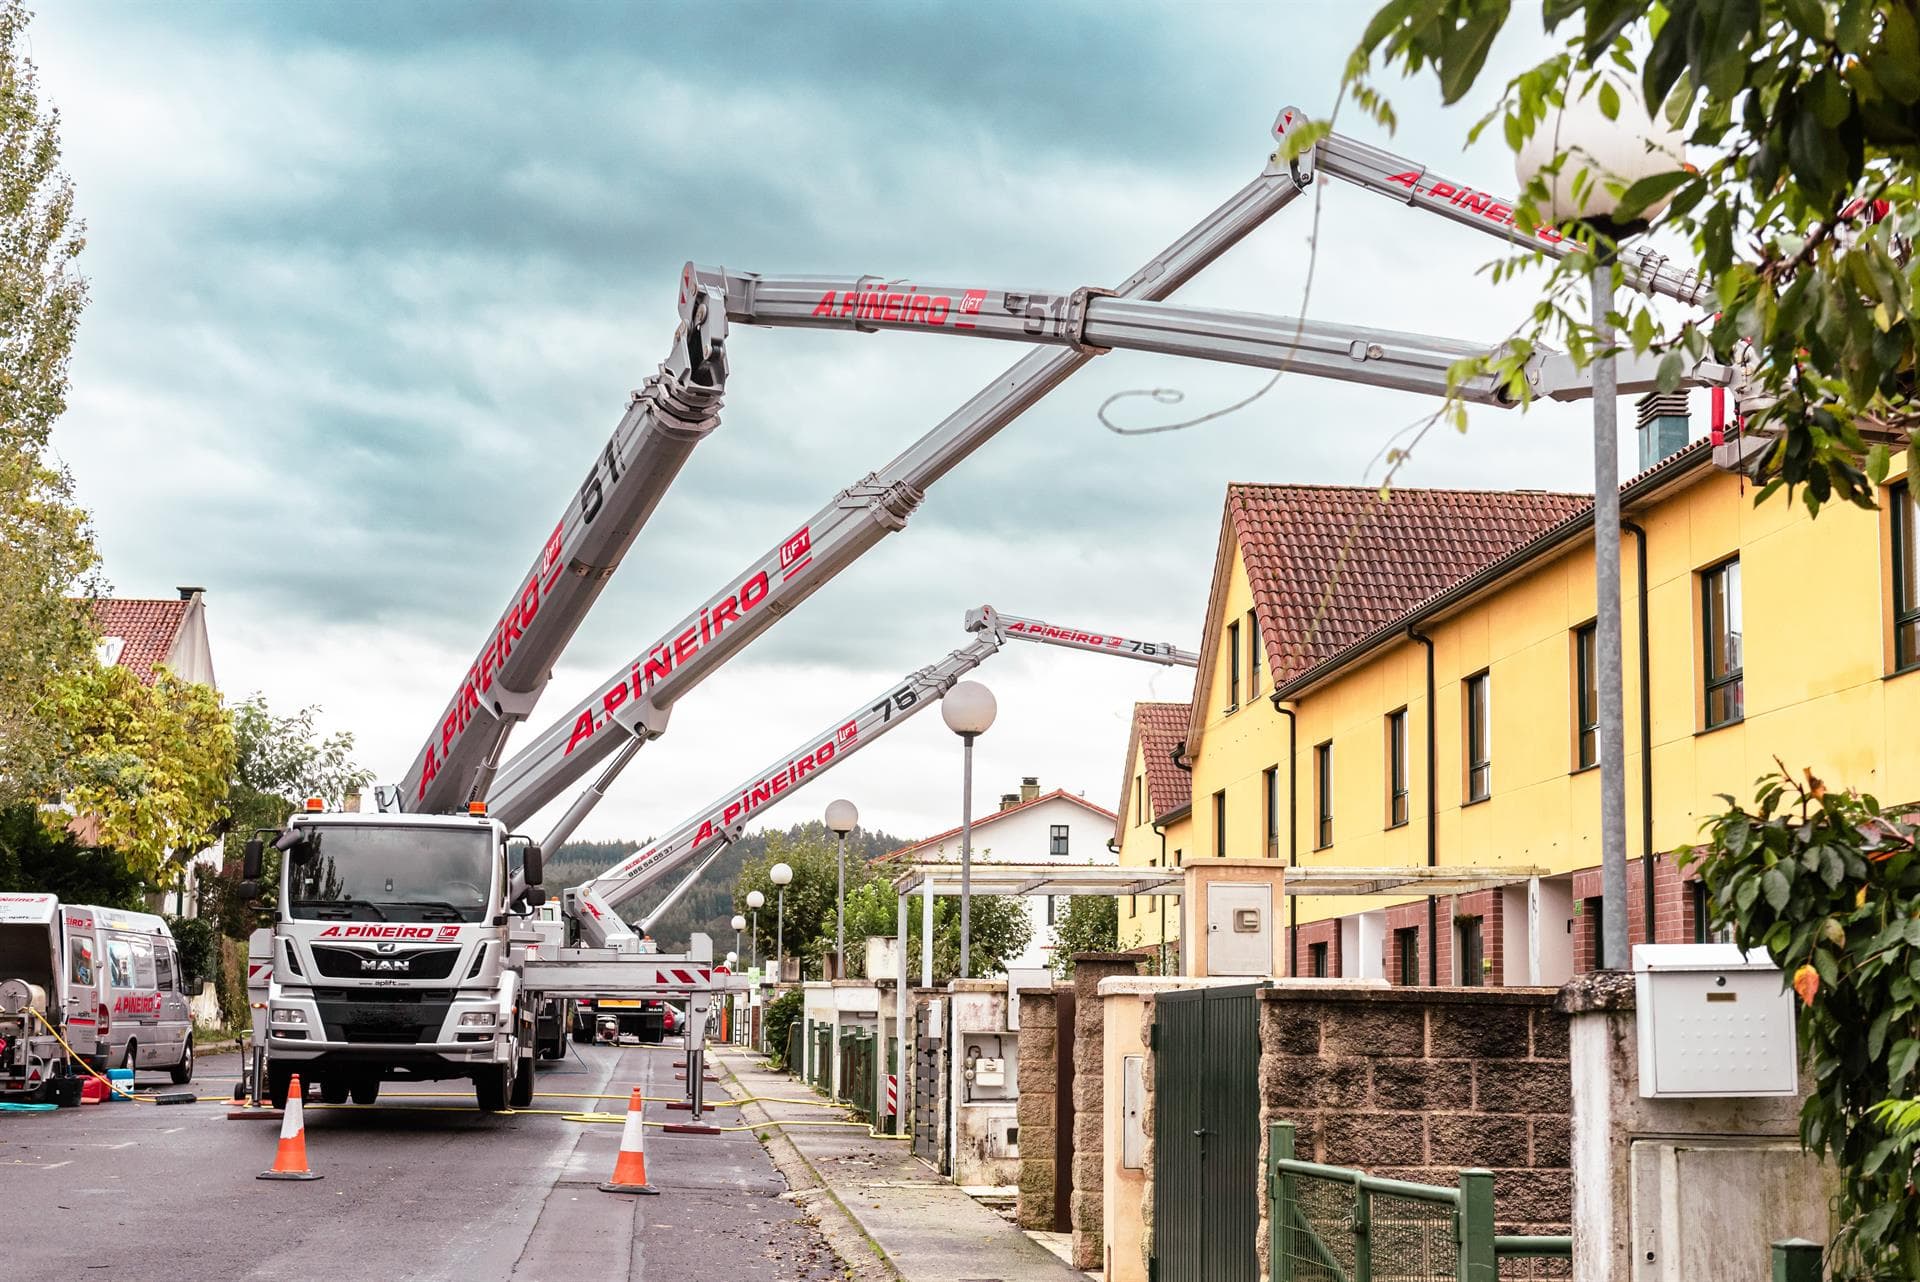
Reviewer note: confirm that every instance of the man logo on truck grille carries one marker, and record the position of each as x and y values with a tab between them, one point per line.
386	965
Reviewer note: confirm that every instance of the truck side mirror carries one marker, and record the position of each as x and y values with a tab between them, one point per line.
530	866
251	860
535	896
248	890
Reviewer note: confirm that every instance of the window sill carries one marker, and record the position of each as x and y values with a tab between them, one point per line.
1476	801
1585	770
1403	823
1724	725
1907	671
1318	849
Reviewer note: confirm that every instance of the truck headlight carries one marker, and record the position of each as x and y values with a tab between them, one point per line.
287	1015
477	1019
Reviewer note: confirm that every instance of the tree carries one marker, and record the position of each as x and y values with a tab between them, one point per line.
35	859
1804	117
146	766
810	851
46	544
1002	928
1091	925
1829	885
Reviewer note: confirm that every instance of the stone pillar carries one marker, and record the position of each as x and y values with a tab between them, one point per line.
1089	1101
1039	1077
1667	1189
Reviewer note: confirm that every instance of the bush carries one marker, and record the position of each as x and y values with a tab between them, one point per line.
198	945
782	1011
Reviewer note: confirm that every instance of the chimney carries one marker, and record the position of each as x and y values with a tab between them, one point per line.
1663	426
188	594
1008	800
1029	787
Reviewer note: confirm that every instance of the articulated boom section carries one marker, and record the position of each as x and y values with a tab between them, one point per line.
988	619
665	419
852	523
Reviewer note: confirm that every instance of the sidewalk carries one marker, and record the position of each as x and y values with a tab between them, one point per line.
923	1227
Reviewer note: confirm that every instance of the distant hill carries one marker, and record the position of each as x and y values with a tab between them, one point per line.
709	905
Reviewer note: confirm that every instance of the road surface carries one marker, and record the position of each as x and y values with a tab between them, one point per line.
416	1187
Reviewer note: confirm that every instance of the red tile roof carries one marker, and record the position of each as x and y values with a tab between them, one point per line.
149	629
1159	728
1330	565
1058	794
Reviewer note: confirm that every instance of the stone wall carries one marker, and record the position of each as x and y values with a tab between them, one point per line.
1039	1083
1415	1083
1089	1095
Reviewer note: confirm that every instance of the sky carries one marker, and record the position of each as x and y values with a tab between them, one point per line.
371	284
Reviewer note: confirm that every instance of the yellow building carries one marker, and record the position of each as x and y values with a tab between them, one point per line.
1410	683
1155	819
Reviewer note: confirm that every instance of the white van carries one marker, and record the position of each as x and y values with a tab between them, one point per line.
125	1004
32	966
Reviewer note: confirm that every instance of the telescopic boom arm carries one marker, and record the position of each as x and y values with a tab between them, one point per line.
665	419
593	905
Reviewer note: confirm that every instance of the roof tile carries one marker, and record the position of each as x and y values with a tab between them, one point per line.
149	629
1160	727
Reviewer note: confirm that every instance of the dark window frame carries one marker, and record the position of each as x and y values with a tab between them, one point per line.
1318	960
1478	734
1595	910
1586	696
1220	824
1057	837
1717	680
1233	666
1270	779
1399	805
1905	522
1406	952
1323	794
1470	946
1253	656
1139	800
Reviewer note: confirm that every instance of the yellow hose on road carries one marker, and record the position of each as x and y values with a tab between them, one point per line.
81	1061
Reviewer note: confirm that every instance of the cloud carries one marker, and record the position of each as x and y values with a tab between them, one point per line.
372	283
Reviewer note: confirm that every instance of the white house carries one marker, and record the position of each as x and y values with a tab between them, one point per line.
1028	828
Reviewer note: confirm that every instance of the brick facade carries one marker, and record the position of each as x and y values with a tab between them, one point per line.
1089	1101
1672	909
1416	1084
1039	1073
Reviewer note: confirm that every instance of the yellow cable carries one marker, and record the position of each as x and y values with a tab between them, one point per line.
81	1061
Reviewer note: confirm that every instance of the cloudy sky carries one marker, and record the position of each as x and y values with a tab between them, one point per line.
371	283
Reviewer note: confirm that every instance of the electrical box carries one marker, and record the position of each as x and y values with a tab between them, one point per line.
1239	926
989	1072
1133	1133
1713	1022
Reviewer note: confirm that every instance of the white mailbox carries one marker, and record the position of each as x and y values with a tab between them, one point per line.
1713	1021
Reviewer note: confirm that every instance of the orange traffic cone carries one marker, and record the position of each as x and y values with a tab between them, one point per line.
290	1160
630	1170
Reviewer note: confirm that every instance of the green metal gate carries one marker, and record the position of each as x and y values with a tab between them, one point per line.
856	1071
1206	1135
822	1076
1331	1224
796	1048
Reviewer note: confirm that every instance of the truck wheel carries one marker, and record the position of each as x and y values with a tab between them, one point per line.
182	1073
521	1095
333	1090
490	1088
279	1083
365	1090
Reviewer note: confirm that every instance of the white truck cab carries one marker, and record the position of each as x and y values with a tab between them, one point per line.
392	956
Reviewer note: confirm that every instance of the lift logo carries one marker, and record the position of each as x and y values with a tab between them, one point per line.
671	653
506	634
137	1004
1493	208
380	932
905	308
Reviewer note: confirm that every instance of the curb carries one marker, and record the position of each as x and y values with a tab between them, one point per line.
808	1186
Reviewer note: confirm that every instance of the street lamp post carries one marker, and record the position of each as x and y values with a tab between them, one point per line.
841	818
780	875
1615	153
739	924
754	900
968	710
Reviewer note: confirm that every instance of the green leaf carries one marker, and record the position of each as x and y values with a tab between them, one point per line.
1647	192
1877	1034
1777	888
1609	100
1906	1053
1463	51
1879	459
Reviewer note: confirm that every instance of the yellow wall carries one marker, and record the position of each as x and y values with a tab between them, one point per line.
1815	622
1149	919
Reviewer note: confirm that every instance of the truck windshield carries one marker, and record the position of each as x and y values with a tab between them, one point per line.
366	873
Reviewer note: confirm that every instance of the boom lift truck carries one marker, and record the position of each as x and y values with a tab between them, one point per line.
460	763
589	919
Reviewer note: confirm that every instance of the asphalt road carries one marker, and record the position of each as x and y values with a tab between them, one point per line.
415	1187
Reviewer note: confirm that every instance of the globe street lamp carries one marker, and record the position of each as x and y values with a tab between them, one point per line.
754	900
780	875
968	710
1614	153
739	924
841	817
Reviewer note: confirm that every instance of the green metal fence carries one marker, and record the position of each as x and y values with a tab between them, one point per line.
822	1076
856	1071
1332	1224
796	1047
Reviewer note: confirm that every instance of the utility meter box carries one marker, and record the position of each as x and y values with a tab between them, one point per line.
989	1072
1714	1022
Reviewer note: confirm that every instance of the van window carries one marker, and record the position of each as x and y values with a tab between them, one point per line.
142	961
120	963
163	969
82	950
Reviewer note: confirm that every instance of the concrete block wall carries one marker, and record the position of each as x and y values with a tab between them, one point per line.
1039	1084
1089	1095
1415	1083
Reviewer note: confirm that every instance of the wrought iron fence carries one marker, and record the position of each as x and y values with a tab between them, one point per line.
1333	1224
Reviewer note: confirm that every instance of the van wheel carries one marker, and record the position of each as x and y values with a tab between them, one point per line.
365	1090
182	1073
132	1054
490	1088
